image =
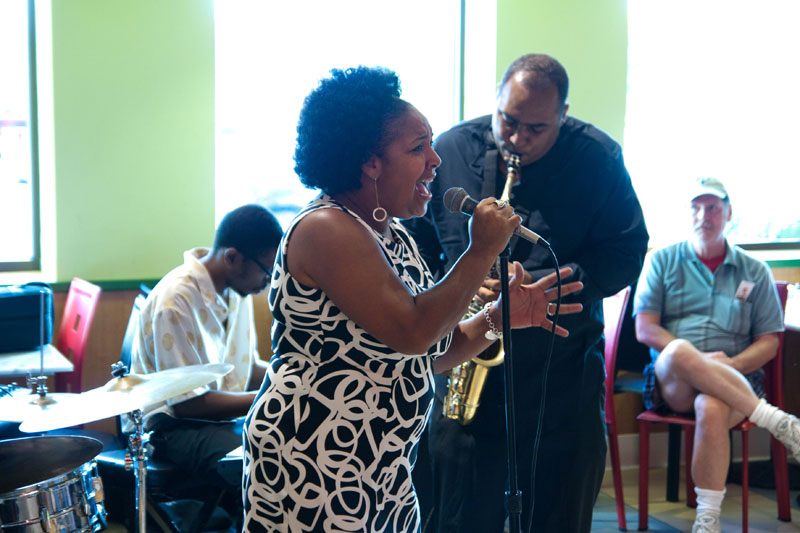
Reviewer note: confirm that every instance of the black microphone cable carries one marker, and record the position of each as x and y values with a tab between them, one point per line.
457	200
545	372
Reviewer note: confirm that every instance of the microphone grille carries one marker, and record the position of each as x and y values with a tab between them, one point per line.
453	198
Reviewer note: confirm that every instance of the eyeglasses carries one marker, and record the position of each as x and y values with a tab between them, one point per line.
267	271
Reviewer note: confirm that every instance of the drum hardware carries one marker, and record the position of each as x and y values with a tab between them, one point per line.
20	404
40	384
7	390
139	467
124	393
51	485
40	381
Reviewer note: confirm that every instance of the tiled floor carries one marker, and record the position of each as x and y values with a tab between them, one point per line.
667	516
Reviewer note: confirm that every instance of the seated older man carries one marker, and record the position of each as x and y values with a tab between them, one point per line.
711	317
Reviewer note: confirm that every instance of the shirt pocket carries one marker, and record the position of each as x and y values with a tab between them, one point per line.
732	315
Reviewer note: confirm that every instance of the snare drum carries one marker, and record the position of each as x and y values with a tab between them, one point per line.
49	485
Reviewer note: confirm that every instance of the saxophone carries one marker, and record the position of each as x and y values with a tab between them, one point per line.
466	381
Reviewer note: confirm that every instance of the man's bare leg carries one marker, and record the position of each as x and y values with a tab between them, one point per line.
683	372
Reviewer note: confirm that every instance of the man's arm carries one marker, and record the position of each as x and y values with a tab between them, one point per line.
766	322
177	344
216	405
607	236
756	355
618	239
224	405
650	332
257	373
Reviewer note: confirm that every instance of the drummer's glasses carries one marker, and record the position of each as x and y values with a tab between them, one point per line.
267	271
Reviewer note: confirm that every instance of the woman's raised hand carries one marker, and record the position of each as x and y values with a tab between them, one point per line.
531	304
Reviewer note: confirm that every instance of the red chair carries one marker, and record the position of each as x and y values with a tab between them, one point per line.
73	333
613	313
73	336
774	388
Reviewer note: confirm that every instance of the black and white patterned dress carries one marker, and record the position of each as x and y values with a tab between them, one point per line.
330	440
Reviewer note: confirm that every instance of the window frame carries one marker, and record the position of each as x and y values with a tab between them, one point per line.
36	262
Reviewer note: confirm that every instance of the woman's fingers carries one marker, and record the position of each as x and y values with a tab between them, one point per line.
551	279
517	275
548	325
569	288
565	309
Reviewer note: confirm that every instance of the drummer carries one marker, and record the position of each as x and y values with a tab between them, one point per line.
201	312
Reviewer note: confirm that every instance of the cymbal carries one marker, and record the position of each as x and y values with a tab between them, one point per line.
23	404
124	394
31	460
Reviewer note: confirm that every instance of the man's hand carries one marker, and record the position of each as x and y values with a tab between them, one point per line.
720	357
490	290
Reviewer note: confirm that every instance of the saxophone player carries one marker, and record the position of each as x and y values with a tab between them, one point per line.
574	191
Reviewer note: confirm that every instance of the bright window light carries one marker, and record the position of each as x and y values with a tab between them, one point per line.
270	55
713	90
19	246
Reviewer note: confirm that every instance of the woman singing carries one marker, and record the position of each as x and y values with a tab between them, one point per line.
359	325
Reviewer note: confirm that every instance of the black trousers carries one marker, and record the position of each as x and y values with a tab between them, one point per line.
468	465
194	445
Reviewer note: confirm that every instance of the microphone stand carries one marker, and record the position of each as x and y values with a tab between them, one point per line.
513	496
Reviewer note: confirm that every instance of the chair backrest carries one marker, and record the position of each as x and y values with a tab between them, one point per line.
613	313
73	333
773	370
125	352
632	355
130	330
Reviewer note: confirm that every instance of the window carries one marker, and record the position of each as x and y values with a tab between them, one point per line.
713	91
270	55
19	248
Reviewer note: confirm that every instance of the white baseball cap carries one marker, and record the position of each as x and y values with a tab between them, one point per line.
712	186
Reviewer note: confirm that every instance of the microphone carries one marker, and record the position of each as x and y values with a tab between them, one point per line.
457	200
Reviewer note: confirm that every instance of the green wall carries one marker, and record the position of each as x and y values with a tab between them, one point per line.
133	100
590	38
133	125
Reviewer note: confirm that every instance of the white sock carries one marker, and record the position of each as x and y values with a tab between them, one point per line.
766	416
709	501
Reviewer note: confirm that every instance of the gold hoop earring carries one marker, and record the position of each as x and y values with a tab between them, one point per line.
379	213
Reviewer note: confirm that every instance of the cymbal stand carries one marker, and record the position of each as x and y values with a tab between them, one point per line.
137	455
41	380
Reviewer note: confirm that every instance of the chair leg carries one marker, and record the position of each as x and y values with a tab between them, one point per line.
745	479
691	496
613	444
209	504
161	519
644	477
673	461
781	468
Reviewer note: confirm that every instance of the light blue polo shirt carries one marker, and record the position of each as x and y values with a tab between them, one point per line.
719	311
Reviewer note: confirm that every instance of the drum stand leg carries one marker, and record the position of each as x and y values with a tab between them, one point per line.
136	450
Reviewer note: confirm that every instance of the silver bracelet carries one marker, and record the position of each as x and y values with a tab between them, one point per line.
493	334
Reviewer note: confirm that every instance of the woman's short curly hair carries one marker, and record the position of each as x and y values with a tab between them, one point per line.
344	122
